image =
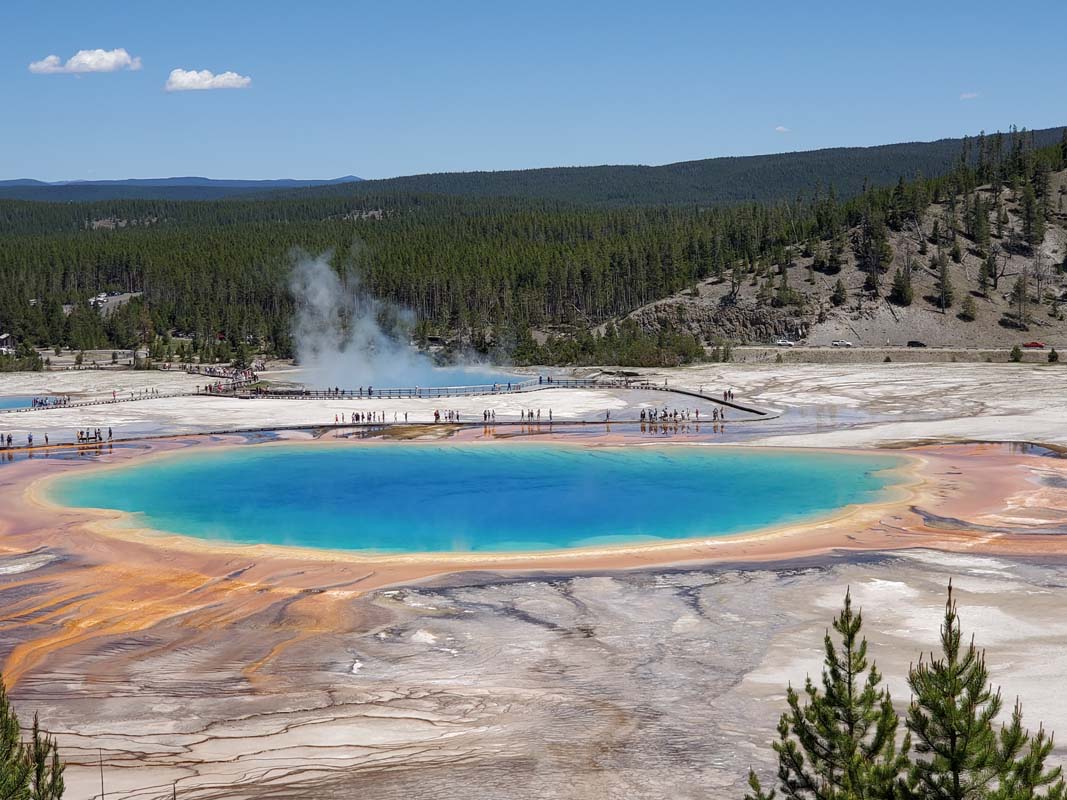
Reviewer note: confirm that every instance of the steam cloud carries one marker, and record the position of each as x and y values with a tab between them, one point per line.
344	337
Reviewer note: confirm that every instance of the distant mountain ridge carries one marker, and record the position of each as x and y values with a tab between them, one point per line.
729	180
175	188
714	181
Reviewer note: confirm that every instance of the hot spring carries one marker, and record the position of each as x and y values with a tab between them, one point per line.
414	497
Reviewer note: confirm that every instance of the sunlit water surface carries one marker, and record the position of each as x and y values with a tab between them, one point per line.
476	497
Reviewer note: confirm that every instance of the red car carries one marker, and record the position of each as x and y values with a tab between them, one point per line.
1034	345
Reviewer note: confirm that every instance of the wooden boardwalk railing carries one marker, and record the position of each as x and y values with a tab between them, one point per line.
239	388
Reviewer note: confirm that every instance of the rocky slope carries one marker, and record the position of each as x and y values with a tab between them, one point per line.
714	313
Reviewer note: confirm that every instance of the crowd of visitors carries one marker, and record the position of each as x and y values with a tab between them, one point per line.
51	402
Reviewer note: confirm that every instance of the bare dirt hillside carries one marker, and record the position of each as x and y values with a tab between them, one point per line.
714	312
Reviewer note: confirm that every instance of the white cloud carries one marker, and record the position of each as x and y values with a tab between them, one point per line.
969	96
188	80
87	61
781	129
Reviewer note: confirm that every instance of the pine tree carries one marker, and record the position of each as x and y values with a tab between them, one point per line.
956	252
945	293
959	754
902	293
873	252
46	777
14	766
1020	299
1033	215
840	740
968	312
951	719
1022	771
985	273
980	224
840	294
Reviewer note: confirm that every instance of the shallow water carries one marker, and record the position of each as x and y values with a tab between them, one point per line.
459	498
15	401
406	377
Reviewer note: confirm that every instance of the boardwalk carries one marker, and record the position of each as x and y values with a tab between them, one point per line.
523	387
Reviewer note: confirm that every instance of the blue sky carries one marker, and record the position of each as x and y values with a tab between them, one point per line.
391	88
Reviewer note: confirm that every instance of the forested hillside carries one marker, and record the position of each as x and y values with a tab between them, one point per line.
779	177
498	274
770	178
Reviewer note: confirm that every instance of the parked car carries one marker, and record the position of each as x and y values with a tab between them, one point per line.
916	343
840	343
784	343
1035	345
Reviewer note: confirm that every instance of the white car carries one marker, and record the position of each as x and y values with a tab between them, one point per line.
784	343
840	343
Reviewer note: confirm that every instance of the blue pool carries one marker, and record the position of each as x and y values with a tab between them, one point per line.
15	401
405	374
413	497
471	376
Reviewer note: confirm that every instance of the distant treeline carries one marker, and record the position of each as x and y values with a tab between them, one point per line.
486	270
715	181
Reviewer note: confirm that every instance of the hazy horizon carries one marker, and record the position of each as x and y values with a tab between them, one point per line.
356	175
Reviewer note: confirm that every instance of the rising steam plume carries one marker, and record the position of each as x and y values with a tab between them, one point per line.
347	338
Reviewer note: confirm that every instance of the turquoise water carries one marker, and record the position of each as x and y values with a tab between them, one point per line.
470	376
11	401
433	498
407	374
